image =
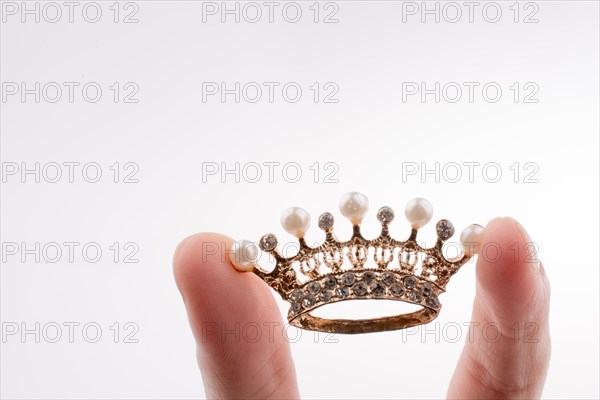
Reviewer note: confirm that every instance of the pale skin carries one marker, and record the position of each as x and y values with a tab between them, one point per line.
510	290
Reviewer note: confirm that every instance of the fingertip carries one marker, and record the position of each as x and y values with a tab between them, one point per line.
512	295
226	308
214	292
507	265
198	257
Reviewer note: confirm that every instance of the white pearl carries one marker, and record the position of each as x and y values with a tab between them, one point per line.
295	220
354	206
244	255
418	212
470	239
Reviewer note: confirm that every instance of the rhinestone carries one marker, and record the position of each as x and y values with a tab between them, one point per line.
348	279
313	287
427	289
368	277
309	301
360	289
410	282
326	295
268	242
444	229
385	215
378	289
297	295
432	302
342	292
397	290
329	282
326	221
388	278
295	308
415	296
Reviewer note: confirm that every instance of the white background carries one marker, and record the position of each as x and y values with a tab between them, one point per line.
369	134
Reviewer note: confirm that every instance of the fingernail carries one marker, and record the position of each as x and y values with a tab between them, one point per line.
530	246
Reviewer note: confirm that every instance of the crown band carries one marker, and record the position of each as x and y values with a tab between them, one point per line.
379	268
364	325
359	285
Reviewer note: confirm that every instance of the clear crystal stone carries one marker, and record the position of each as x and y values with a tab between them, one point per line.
296	307
309	301
427	289
432	302
326	221
297	295
313	287
410	282
348	279
368	277
385	215
444	229
378	289
342	292
396	290
268	242
388	278
325	295
415	296
329	282
360	289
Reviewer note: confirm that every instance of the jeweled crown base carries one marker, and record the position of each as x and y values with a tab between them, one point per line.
360	284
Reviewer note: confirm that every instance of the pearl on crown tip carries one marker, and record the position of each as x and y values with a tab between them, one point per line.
470	239
418	212
244	255
295	220
354	206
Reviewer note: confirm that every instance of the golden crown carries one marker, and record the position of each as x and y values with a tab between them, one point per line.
359	268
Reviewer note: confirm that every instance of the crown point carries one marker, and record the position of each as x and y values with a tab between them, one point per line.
295	220
385	215
268	242
326	221
470	239
418	212
444	229
244	255
354	206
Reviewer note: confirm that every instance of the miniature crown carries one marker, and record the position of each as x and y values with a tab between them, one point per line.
359	268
